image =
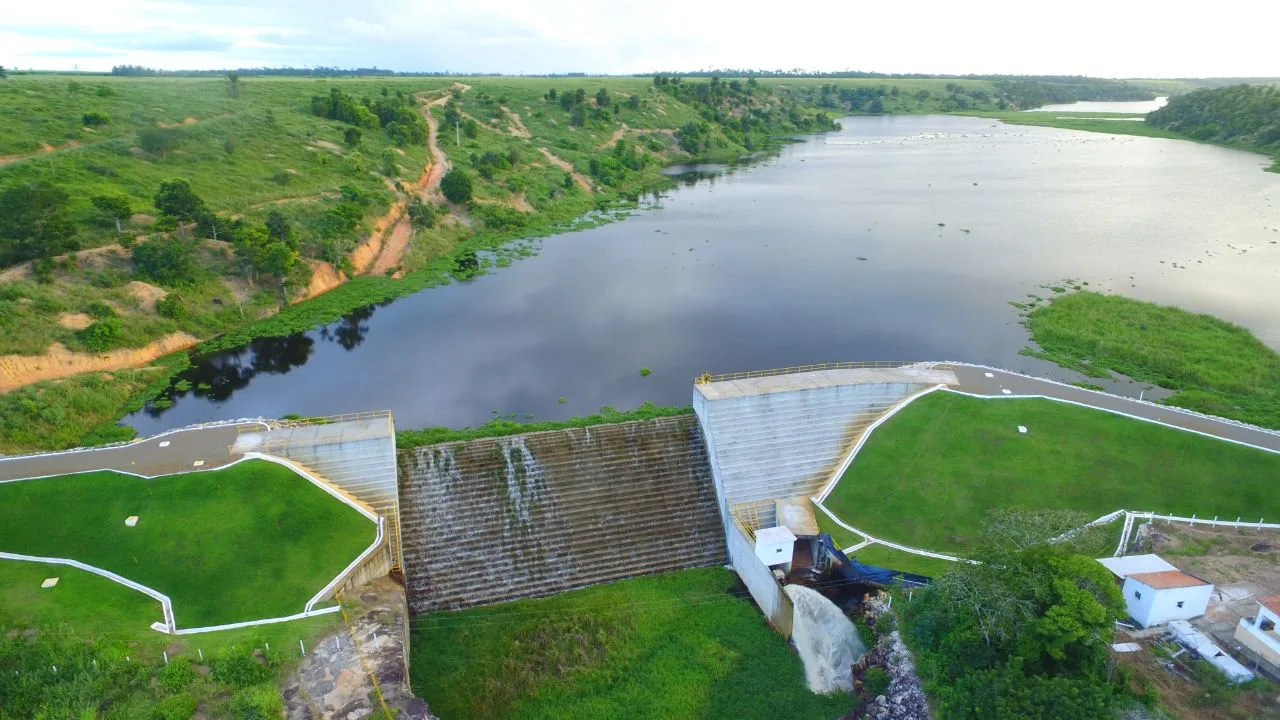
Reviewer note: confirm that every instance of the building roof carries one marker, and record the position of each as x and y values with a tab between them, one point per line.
1123	567
796	514
1167	580
1271	602
774	535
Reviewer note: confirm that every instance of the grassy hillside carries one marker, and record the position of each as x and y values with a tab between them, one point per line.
1246	116
295	185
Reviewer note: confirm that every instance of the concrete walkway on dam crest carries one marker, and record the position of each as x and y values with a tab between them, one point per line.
179	450
991	382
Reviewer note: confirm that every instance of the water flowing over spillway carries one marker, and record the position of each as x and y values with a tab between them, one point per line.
827	641
536	514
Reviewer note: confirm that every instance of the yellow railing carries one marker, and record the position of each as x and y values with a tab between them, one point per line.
854	365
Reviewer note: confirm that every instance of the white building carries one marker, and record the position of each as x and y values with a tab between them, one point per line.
775	545
1259	633
1156	592
1155	598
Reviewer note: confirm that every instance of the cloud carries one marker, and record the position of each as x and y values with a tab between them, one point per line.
1093	37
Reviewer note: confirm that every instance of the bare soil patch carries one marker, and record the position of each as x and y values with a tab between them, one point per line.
74	321
57	362
563	164
147	294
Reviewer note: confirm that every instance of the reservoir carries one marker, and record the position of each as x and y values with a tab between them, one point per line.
895	238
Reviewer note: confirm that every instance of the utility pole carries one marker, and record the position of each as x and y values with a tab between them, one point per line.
457	133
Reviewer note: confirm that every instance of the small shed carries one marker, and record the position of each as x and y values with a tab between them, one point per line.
1155	598
775	545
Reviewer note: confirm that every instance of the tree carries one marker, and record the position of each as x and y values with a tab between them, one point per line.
233	84
602	97
280	229
456	186
168	261
1026	632
34	222
115	206
176	199
351	137
4	74
158	140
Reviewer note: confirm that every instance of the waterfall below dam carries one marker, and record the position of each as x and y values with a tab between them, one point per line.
499	519
826	639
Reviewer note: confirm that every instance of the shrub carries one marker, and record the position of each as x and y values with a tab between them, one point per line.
884	624
261	702
100	310
282	177
875	681
95	119
175	707
422	214
239	667
102	335
456	186
177	675
167	260
172	307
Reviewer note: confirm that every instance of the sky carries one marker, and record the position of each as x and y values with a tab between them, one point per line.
1085	37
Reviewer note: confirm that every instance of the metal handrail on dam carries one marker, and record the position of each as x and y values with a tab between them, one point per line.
705	378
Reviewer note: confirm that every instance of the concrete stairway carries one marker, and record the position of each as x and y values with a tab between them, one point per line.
530	515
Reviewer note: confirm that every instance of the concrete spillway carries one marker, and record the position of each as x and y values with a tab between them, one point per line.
536	514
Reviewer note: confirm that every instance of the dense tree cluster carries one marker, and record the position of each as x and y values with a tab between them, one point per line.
1023	634
1032	93
1247	115
396	114
34	222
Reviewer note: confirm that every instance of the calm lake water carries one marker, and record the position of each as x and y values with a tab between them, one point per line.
1136	106
895	238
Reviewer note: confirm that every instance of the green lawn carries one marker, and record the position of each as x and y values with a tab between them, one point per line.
928	475
1215	366
680	645
249	541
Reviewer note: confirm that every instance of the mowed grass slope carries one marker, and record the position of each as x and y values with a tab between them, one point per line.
249	541
928	475
681	645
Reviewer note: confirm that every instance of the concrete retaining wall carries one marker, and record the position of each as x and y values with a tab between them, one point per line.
766	591
782	436
536	514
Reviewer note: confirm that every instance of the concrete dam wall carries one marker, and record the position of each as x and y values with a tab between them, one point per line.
529	515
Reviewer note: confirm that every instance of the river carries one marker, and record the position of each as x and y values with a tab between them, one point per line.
898	237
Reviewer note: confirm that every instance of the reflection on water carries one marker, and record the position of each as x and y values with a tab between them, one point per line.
1130	106
215	377
895	238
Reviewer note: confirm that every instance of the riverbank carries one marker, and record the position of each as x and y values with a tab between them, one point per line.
1111	123
541	160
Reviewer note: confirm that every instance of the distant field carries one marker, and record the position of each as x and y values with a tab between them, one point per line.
249	541
686	644
927	476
